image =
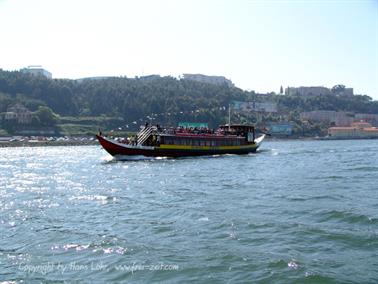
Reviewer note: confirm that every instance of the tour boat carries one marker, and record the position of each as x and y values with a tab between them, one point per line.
152	141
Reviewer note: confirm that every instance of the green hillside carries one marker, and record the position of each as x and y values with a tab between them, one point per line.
82	106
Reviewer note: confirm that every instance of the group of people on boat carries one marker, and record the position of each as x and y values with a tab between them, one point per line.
185	130
193	130
132	140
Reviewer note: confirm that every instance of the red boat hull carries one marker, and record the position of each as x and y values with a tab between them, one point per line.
118	149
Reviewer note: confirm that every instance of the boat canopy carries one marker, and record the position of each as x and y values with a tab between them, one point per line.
238	128
193	125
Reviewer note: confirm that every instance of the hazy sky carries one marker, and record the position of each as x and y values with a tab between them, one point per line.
259	45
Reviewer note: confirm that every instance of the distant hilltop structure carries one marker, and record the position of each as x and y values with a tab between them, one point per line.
36	70
338	90
215	80
95	78
148	77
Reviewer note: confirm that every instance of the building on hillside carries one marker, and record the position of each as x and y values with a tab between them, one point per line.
328	116
264	107
215	80
254	106
307	91
318	91
280	128
19	113
371	118
37	70
355	130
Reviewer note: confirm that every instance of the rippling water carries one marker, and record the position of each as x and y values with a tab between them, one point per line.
295	212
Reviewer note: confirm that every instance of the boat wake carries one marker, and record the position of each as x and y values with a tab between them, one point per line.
137	158
125	158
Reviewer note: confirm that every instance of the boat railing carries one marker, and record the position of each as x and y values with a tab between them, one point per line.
144	134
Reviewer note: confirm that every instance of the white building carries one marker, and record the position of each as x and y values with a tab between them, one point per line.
37	70
216	80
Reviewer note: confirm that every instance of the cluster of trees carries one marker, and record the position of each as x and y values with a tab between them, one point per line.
131	99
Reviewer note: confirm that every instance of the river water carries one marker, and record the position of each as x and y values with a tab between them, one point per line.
295	212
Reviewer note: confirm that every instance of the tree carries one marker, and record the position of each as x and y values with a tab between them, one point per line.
338	89
46	116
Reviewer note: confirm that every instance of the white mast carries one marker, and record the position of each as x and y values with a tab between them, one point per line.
229	117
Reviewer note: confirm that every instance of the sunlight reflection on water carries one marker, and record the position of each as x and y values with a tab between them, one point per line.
296	210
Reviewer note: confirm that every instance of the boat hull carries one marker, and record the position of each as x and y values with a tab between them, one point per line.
118	149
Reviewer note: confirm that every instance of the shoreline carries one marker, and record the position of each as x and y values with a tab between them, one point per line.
7	144
11	144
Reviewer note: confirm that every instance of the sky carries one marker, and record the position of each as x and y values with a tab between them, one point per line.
259	45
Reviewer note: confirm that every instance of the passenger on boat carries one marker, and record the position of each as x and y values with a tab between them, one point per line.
133	140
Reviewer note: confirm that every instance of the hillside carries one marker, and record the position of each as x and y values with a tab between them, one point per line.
128	102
